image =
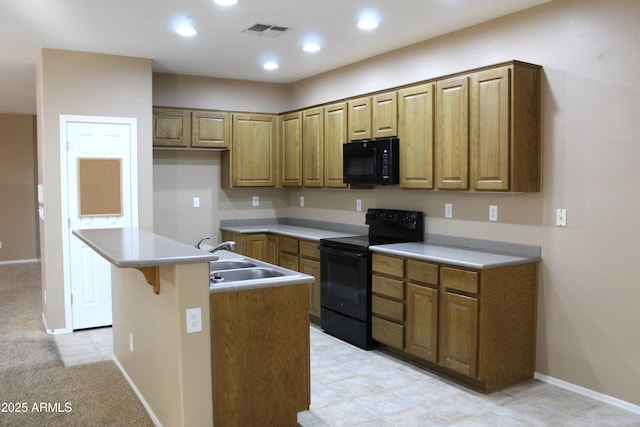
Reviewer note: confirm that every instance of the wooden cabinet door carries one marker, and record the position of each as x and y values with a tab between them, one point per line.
489	129
256	246
384	113
335	135
421	337
312	148
416	130
452	133
210	129
458	341
253	150
271	253
312	268
359	119
291	151
171	128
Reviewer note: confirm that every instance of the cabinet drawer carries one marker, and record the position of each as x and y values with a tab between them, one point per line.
288	261
309	249
387	308
287	244
422	271
461	280
387	332
388	287
388	265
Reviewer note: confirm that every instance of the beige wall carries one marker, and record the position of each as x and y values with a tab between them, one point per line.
78	83
18	217
588	299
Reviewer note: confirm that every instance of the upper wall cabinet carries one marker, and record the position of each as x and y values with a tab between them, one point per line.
171	128
505	128
373	117
335	135
177	128
313	147
251	162
291	150
452	133
210	129
415	129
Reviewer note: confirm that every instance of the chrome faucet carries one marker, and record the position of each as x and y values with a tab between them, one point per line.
229	245
197	245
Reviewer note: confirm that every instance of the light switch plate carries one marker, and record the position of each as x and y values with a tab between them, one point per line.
196	202
255	201
561	217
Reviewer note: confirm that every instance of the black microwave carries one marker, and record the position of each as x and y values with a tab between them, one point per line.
371	162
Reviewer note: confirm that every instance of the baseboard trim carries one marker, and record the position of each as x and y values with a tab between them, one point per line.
20	261
54	331
605	398
152	415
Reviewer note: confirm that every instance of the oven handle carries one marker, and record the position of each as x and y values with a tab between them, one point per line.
333	250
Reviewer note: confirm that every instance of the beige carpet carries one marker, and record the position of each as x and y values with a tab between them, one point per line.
35	387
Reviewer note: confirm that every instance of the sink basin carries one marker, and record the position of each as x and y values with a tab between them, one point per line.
244	274
229	265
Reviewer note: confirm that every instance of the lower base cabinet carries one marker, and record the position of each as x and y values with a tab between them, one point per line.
475	326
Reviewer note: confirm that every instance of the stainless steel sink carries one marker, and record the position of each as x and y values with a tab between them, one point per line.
250	273
229	265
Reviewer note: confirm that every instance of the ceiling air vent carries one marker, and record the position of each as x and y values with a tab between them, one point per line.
265	30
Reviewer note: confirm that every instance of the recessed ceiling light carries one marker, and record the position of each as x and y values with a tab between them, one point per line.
225	2
311	47
270	65
184	26
368	24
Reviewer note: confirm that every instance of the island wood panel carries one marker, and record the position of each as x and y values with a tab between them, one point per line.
508	325
260	356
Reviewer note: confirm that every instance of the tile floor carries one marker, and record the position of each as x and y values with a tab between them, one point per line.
357	388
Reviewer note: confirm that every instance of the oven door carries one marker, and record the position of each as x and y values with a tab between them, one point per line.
345	281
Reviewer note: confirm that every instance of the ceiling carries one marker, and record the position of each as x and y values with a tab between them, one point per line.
144	28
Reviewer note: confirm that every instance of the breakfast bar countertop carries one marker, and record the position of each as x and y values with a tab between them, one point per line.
132	247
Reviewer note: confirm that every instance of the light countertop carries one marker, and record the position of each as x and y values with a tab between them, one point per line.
294	231
132	247
455	256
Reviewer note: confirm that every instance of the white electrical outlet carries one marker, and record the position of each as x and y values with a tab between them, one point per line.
561	217
301	201
255	201
196	202
194	320
493	213
448	210
131	342
358	205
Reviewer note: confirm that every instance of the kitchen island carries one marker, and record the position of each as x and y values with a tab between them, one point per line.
193	378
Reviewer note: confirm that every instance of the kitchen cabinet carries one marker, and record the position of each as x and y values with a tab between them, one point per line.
313	147
373	117
387	302
384	113
477	326
452	134
309	262
416	133
288	253
505	128
210	129
171	127
262	246
291	150
359	119
177	128
335	134
251	162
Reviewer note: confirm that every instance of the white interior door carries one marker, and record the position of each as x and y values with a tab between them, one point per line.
90	145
